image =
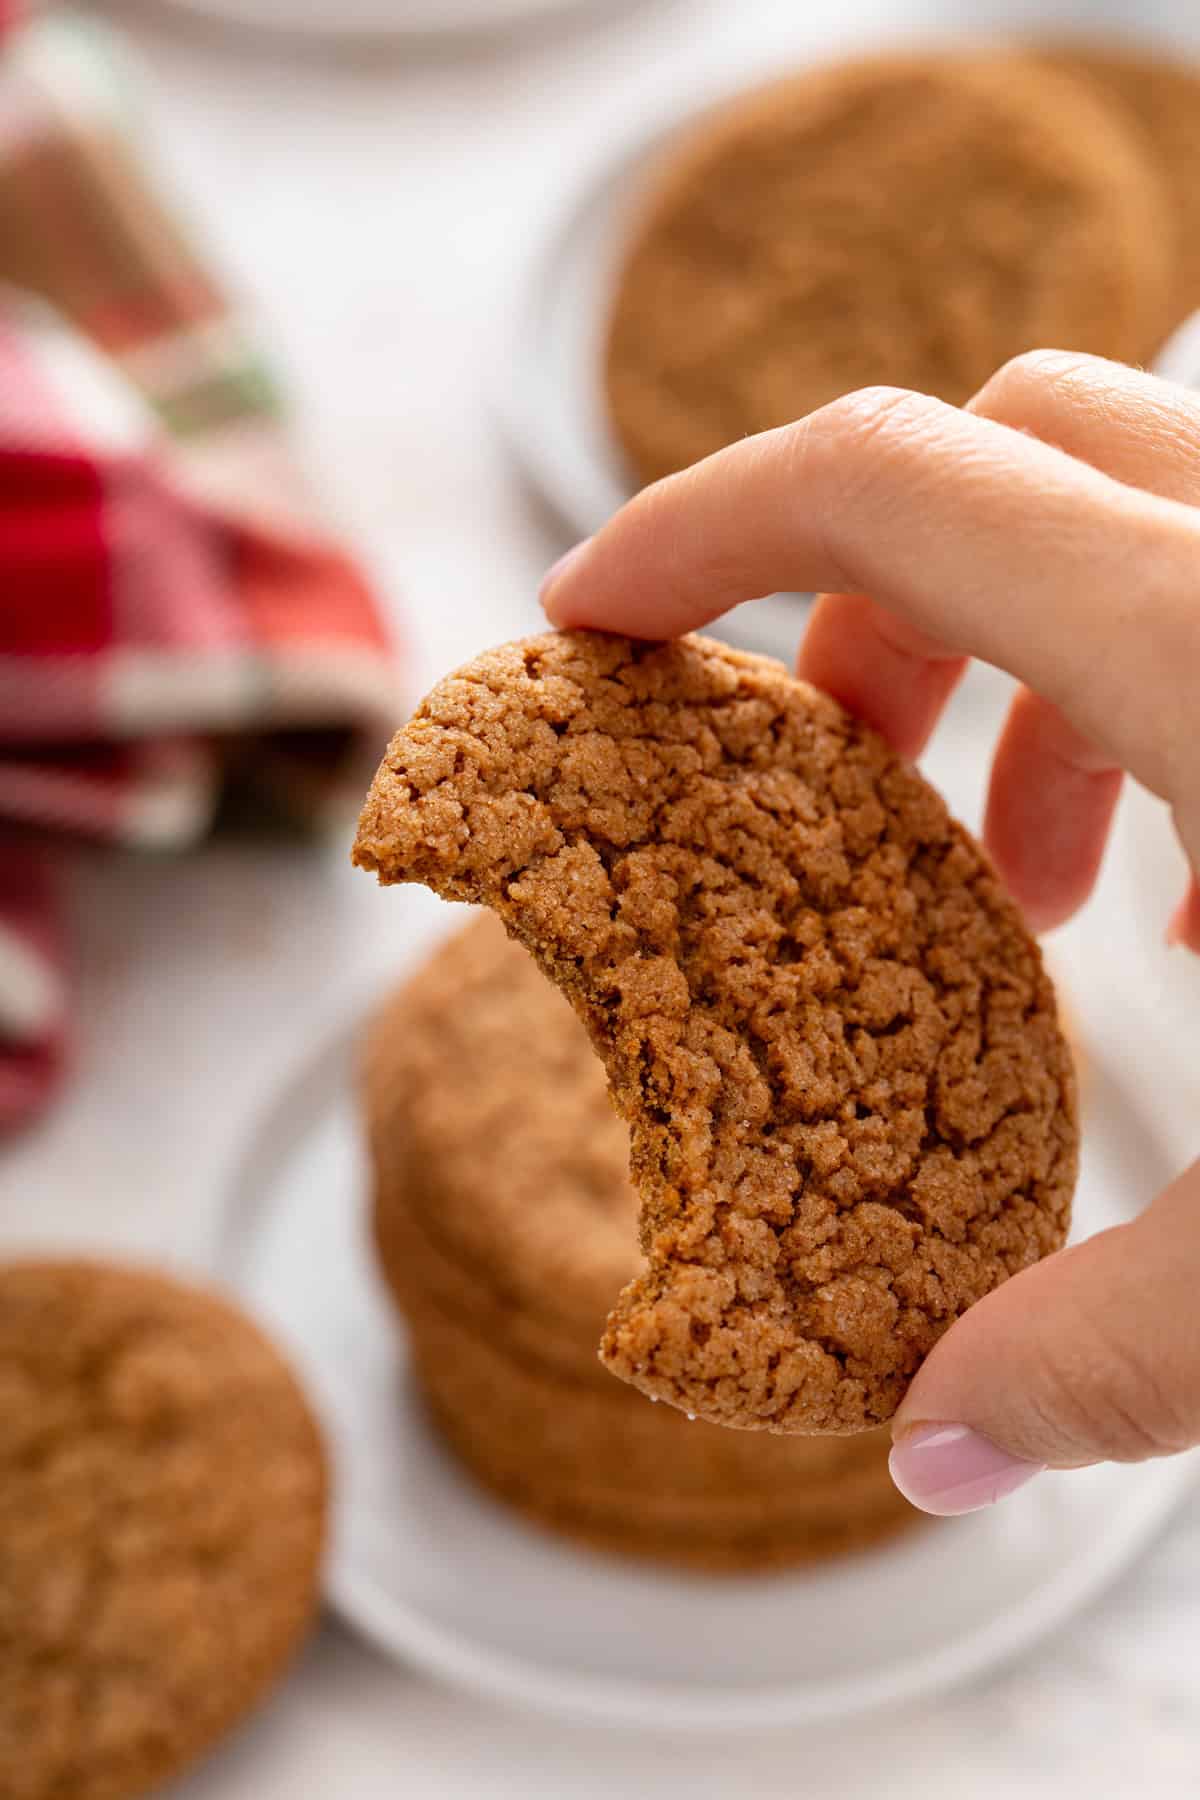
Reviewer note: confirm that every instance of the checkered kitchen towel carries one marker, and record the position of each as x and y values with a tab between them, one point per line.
174	624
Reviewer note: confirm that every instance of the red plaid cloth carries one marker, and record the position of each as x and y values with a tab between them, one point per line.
173	624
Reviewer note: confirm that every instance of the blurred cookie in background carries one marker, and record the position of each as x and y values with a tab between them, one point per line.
908	220
644	1481
505	1225
1159	102
162	1518
491	1132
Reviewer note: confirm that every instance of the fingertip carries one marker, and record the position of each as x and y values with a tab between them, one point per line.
1044	906
557	586
1050	807
885	673
631	577
1049	872
1184	925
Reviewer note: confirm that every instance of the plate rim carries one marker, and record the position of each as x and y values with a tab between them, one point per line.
541	450
658	120
516	411
438	23
401	1630
676	1706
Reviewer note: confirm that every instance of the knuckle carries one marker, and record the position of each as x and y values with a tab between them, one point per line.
871	416
1028	379
859	457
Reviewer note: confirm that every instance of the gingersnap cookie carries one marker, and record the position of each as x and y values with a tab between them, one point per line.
744	1541
595	1461
417	1266
851	1110
503	1337
1159	102
488	1121
910	220
162	1513
540	1426
594	1434
744	1546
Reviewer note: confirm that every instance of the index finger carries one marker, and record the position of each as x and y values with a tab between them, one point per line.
989	542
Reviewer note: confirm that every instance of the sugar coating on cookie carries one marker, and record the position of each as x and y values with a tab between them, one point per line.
908	220
851	1110
162	1514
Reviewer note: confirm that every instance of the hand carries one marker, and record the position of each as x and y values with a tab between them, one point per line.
1051	528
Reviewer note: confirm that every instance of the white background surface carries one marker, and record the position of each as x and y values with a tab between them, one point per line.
375	211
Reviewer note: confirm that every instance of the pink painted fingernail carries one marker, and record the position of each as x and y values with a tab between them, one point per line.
950	1469
554	574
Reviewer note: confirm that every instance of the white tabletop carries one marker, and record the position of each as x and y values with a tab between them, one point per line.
375	211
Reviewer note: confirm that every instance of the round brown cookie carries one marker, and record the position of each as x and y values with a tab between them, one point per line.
911	220
1159	101
425	1268
605	1435
162	1513
533	1200
851	1110
530	1423
735	1548
576	1452
416	1264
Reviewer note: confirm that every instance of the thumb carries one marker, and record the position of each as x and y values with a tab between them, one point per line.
1090	1356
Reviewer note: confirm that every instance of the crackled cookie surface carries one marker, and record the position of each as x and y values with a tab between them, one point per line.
851	1110
162	1512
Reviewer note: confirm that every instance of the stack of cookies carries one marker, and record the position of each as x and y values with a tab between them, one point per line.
506	1225
910	220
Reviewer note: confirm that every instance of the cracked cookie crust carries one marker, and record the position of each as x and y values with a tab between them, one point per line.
851	1110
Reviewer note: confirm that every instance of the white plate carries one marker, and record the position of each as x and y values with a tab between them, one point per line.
552	407
380	19
435	1572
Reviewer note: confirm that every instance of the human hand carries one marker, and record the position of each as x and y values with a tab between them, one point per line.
1052	528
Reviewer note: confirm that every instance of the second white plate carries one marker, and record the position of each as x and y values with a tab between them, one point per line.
379	20
552	405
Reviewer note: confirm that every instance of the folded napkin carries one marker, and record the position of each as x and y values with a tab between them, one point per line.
177	629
